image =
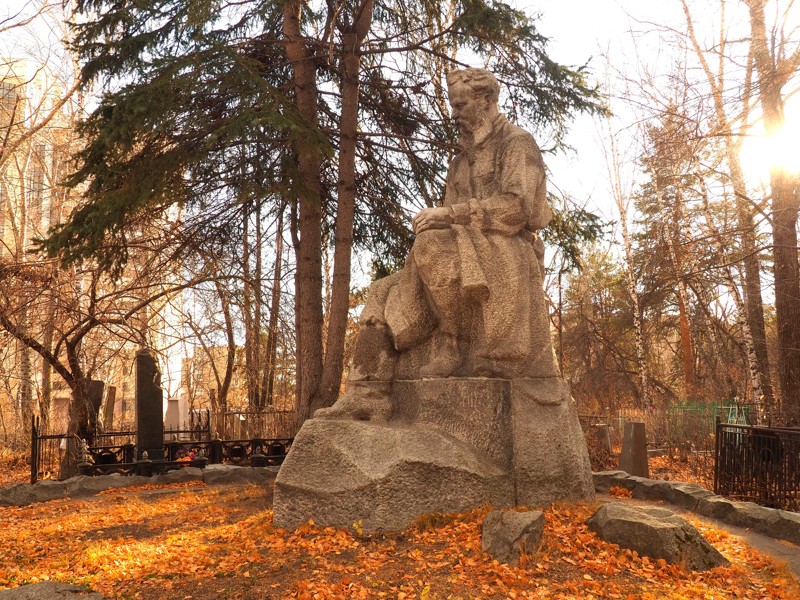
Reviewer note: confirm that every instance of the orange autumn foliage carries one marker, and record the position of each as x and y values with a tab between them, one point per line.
197	542
620	492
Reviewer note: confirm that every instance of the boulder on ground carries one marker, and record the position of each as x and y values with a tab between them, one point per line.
50	590
655	533
505	535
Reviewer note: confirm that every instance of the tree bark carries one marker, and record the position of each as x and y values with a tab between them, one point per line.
224	385
343	246
773	73
251	325
748	340
308	313
25	386
45	400
274	311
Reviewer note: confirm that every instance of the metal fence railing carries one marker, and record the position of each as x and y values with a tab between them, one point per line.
230	437
758	464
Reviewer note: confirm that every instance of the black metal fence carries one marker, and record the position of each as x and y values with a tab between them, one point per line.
256	453
758	464
114	451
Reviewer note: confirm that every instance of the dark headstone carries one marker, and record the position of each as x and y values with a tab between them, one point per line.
149	407
602	435
633	459
95	393
108	412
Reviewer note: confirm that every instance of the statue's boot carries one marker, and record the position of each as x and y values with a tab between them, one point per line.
446	358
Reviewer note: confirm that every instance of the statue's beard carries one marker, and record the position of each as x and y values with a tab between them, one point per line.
469	132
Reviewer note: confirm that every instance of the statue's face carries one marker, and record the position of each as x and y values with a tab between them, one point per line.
467	110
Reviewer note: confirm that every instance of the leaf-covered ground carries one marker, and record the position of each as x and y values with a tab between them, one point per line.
14	467
193	541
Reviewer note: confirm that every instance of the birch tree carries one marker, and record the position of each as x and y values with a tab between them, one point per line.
622	200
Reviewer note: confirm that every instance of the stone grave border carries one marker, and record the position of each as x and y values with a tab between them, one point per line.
82	486
773	522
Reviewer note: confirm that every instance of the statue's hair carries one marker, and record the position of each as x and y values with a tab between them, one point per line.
479	81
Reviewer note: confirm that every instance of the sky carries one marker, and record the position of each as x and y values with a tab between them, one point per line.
624	31
600	32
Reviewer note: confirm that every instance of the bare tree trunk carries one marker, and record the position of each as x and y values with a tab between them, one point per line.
250	325
258	298
774	71
308	313
79	407
348	126
753	367
25	388
787	293
25	378
613	164
687	350
672	239
274	312
753	297
45	400
224	385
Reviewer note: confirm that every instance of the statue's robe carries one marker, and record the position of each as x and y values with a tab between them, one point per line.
487	268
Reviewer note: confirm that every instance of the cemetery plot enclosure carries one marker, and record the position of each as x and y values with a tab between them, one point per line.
257	439
758	464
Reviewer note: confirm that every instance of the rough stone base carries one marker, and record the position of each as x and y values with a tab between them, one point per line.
449	445
340	472
551	462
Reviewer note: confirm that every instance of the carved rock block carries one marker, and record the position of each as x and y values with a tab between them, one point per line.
449	445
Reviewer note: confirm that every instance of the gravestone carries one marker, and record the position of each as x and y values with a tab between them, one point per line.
633	459
602	435
149	407
108	411
172	419
453	397
95	393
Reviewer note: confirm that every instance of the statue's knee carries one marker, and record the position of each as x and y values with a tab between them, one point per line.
435	256
434	249
434	240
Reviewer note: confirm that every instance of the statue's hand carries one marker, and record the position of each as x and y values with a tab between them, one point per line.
433	218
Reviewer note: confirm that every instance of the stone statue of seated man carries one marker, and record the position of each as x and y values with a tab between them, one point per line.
470	300
453	399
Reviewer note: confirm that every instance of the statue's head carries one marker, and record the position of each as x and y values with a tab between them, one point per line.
473	98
